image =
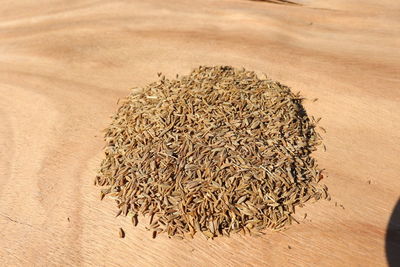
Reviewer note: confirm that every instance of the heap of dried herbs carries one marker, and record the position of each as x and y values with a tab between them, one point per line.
218	151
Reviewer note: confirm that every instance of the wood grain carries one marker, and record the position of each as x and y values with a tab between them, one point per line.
64	64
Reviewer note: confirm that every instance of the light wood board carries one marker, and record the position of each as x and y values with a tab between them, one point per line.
64	65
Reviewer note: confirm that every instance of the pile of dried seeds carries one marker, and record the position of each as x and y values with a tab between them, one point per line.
218	151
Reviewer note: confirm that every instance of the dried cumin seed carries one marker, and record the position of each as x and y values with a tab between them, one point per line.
121	233
134	220
180	149
118	213
177	237
125	209
241	199
207	234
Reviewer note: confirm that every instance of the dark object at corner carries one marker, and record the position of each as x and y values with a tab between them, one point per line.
392	245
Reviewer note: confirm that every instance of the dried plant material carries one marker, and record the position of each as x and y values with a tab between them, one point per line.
134	220
219	151
121	233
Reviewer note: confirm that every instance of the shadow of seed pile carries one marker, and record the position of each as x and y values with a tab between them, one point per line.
217	152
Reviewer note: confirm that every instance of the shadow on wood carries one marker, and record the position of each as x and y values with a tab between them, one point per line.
393	237
279	2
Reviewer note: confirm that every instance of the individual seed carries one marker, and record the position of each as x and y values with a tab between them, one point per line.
121	233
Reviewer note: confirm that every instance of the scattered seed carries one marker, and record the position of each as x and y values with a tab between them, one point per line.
134	220
118	213
121	233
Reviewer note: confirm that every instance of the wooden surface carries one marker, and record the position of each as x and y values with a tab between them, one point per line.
64	64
